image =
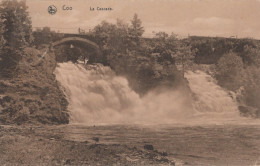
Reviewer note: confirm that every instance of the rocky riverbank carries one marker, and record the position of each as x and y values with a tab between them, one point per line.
41	145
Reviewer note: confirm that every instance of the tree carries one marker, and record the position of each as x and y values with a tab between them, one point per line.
102	33
17	31
42	36
113	38
185	55
121	36
230	71
16	23
252	87
174	50
251	55
136	30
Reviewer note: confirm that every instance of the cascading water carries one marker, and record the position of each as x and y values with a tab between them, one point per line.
211	102
97	96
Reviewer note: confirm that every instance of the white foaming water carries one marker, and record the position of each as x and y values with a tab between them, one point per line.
97	96
212	103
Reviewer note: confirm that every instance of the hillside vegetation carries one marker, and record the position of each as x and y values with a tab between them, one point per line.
29	92
33	95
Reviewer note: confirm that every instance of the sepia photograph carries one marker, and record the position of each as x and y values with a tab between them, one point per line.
129	82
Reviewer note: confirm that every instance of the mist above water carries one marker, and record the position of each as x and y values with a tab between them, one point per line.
98	96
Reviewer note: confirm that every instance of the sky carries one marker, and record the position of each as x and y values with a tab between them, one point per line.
223	18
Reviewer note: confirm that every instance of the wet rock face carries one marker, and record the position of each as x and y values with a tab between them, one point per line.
33	96
247	111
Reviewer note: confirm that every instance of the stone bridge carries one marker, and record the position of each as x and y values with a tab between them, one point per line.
81	41
77	41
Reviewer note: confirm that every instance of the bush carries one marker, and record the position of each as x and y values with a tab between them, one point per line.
230	71
251	55
252	87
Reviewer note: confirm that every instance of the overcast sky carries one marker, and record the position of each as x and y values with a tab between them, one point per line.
183	17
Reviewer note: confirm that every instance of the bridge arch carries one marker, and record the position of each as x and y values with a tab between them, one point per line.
77	41
84	43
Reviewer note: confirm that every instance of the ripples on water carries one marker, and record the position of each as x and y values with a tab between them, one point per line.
235	145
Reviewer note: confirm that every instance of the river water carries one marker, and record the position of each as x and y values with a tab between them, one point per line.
207	132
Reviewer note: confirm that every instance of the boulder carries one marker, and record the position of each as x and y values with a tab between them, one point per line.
248	111
148	147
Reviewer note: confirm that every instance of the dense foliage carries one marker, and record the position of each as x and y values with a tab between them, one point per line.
148	63
230	71
45	36
16	33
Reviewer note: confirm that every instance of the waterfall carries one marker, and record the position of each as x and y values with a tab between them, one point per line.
98	96
211	102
